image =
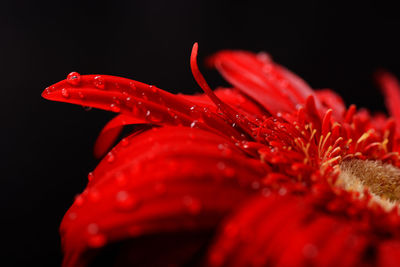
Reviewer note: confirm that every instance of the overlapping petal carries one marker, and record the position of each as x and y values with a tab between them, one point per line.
288	230
166	187
170	179
274	87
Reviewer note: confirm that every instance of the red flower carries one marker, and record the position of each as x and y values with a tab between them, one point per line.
268	172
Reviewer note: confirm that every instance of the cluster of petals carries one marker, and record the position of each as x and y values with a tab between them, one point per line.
241	176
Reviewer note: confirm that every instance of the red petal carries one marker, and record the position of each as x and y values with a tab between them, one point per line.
170	179
331	100
389	254
232	97
111	131
139	100
271	85
391	90
232	115
287	231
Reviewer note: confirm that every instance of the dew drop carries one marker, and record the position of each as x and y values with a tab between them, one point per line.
79	200
216	258
144	96
229	172
110	157
266	192
93	228
192	205
135	230
74	78
221	165
310	251
86	108
99	82
65	93
126	201
120	178
148	114
81	95
193	124
94	195
132	86
282	191
255	185
90	176
115	108
153	88
124	142
231	230
97	240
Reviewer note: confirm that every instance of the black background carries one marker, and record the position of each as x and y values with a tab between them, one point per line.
46	146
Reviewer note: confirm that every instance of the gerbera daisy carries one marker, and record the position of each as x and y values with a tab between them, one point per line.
266	173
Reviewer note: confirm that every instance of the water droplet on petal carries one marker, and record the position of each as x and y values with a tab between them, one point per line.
216	258
115	108
153	88
97	240
110	157
192	205
229	172
120	178
65	93
221	165
90	176
93	229
99	82
310	251
72	216
255	185
148	114
86	108
135	230
124	142
132	86
282	191
266	192
79	200
74	78
94	195
126	201
193	124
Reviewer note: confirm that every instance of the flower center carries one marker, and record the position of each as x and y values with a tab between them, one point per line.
382	180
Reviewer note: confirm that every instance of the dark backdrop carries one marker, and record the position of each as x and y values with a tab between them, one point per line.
46	146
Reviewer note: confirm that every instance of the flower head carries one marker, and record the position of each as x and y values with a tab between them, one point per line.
268	172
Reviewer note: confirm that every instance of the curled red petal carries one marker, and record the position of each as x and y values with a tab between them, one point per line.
139	100
232	115
164	180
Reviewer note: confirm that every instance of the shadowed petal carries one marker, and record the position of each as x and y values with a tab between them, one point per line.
289	231
164	180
